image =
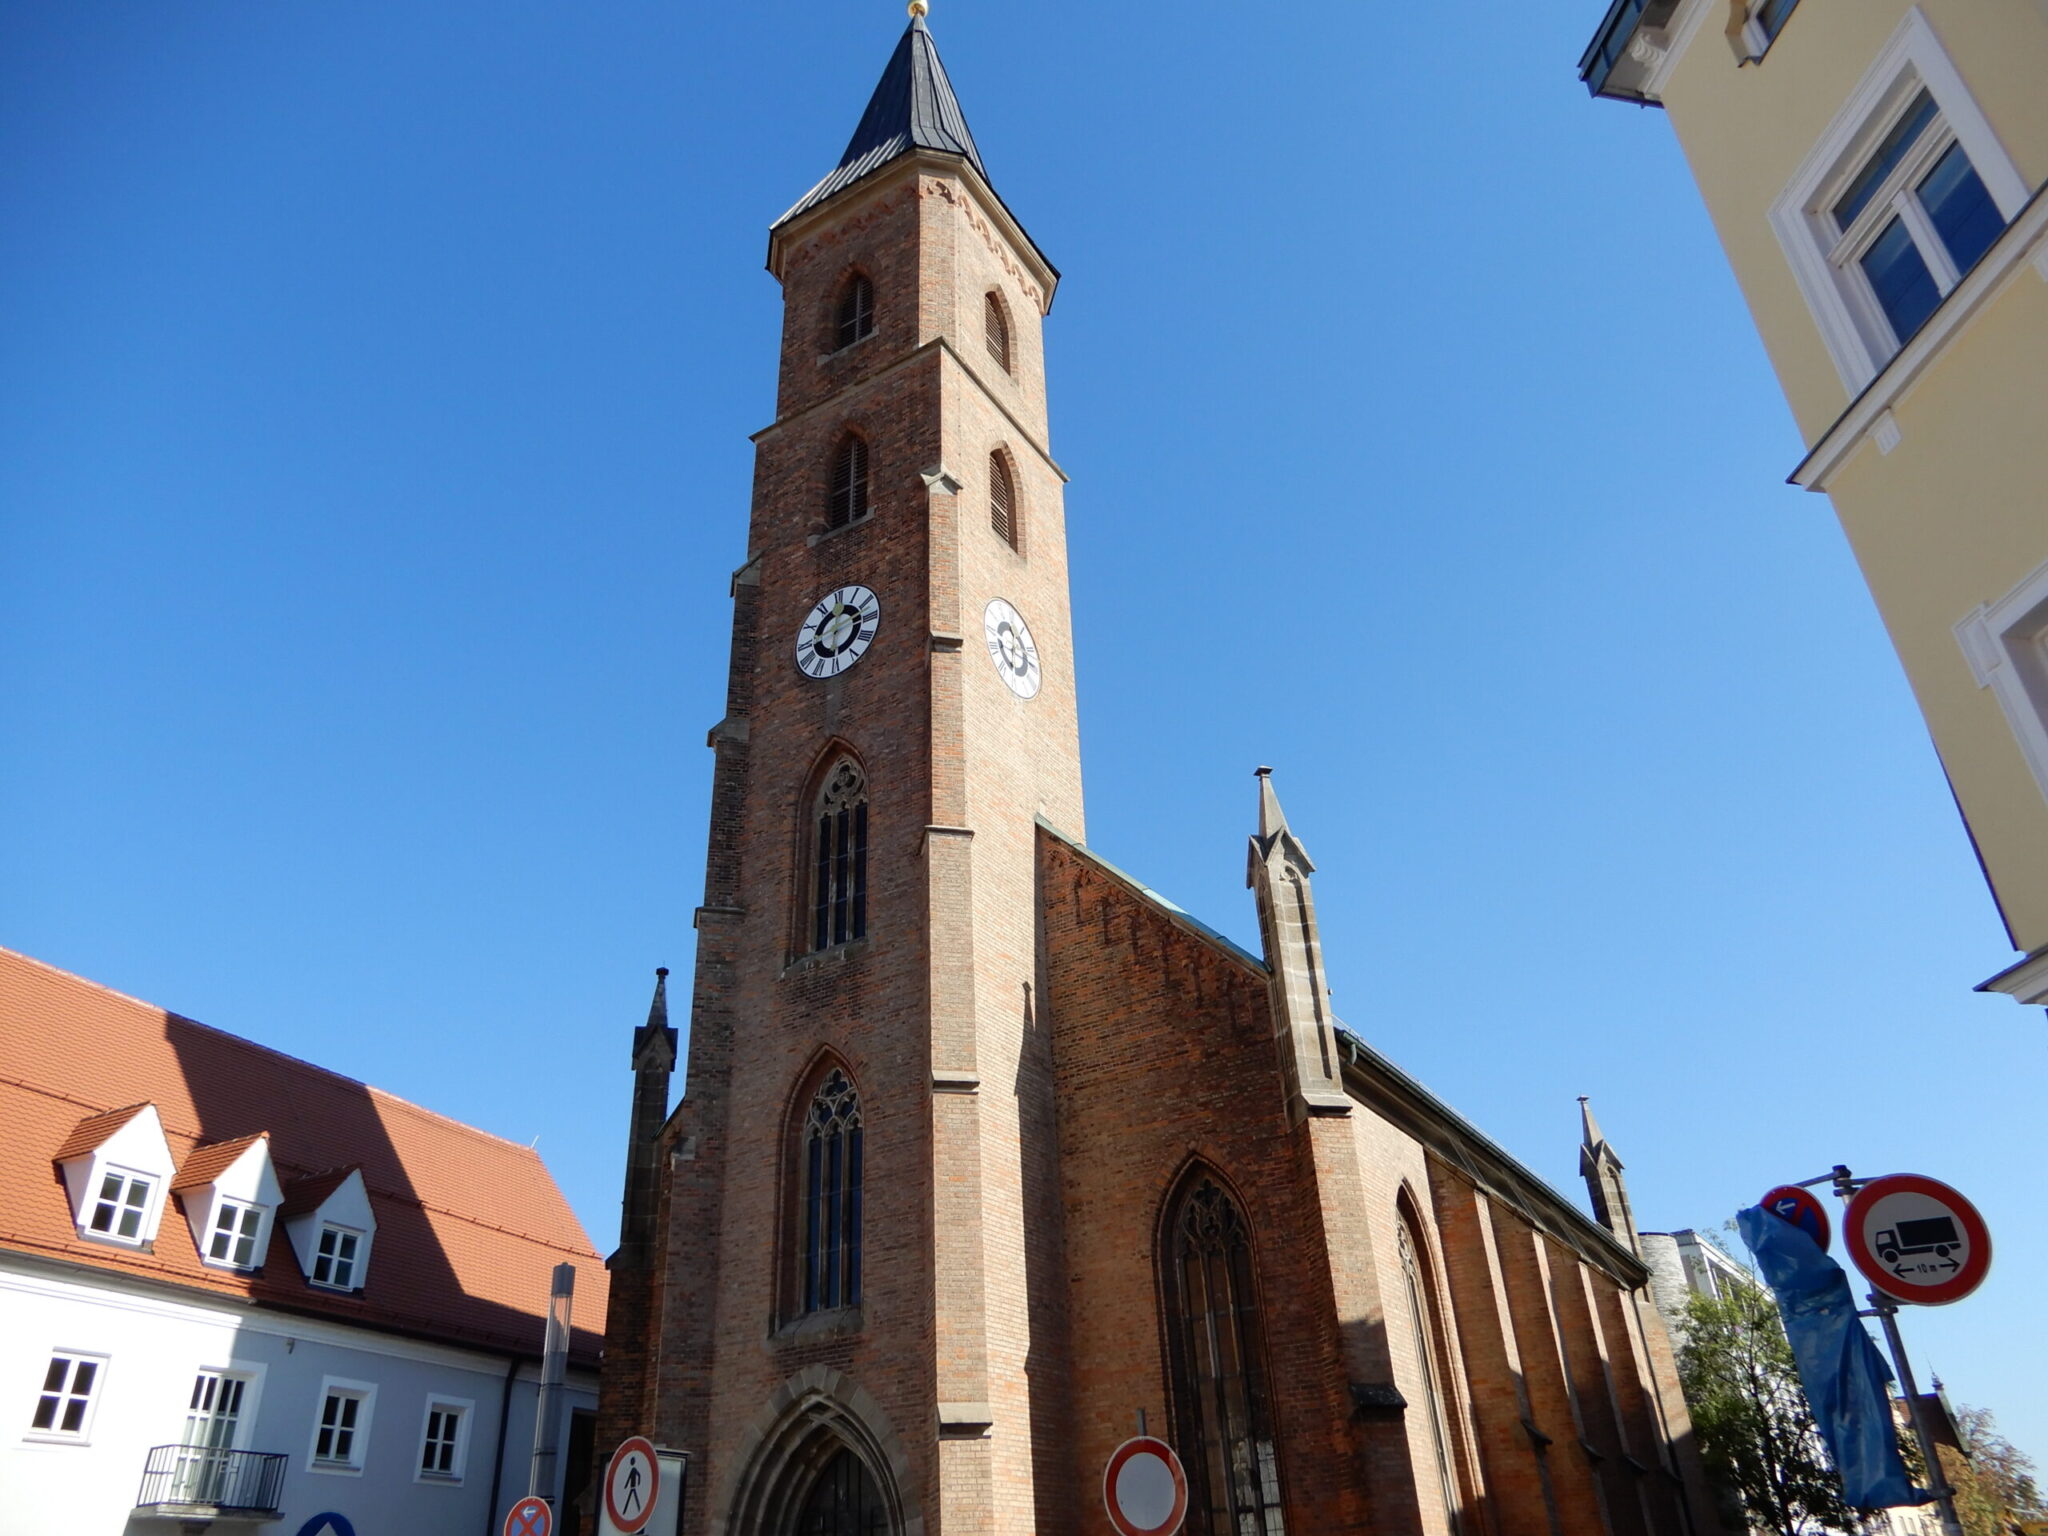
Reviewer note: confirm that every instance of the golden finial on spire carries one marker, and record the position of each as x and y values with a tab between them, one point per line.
918	7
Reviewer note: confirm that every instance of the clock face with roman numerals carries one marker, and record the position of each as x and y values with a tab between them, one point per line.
838	631
1010	648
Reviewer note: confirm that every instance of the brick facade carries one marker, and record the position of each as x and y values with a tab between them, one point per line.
1043	1050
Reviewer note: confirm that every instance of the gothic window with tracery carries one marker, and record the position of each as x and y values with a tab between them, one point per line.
848	502
844	1502
839	858
1002	500
856	319
832	1193
995	329
1428	1335
1222	1407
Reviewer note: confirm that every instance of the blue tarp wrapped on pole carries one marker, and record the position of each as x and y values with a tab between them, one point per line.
1845	1377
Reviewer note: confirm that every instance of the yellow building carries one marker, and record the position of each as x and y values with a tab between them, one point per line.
1874	170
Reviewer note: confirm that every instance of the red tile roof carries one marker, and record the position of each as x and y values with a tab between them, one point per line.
91	1132
305	1195
469	1226
207	1163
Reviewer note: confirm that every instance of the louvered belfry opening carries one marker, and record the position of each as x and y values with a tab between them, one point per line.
856	310
849	500
1002	500
996	329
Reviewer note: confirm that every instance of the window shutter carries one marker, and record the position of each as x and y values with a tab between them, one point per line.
996	330
1002	500
849	501
856	311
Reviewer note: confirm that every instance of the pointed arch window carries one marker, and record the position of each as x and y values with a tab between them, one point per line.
832	1196
1427	1331
849	499
995	328
1002	499
1222	1405
856	318
839	858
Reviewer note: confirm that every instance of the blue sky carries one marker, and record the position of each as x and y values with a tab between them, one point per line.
373	453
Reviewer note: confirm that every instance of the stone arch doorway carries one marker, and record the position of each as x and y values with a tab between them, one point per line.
820	1459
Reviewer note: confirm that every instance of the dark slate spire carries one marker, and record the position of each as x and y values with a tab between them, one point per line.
913	108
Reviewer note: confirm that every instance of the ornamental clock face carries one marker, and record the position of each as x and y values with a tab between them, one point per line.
838	631
1010	648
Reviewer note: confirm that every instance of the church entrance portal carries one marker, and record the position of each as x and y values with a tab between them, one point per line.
843	1502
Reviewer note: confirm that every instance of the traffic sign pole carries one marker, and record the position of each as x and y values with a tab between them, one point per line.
1886	1310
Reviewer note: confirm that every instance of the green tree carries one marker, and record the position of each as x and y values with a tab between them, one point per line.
2008	1474
1756	1432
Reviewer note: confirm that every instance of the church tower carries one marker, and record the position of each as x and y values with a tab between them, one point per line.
861	1213
869	1280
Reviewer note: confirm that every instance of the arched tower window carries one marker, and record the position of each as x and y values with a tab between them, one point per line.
856	317
839	857
1427	1330
1222	1408
849	500
844	1502
830	1267
995	328
1002	500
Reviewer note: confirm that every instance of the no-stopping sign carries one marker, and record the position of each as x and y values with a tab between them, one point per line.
1917	1240
1144	1488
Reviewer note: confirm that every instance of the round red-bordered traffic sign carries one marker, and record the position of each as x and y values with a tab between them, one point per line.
632	1479
530	1517
1917	1240
1144	1488
1801	1207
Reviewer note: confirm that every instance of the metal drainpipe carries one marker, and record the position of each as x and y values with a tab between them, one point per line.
498	1460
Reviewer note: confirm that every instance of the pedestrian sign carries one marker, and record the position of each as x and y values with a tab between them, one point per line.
530	1517
631	1484
1917	1240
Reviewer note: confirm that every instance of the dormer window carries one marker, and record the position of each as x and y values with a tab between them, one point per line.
236	1227
121	1209
230	1191
334	1262
332	1228
117	1167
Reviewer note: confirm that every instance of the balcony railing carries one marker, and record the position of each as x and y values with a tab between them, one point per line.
204	1480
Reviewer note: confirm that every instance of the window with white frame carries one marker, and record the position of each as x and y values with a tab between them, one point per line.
204	1470
1767	19
334	1261
64	1407
2007	645
444	1439
1912	218
1894	205
237	1226
120	1210
342	1433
